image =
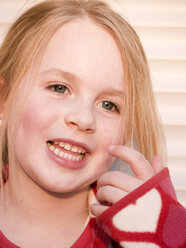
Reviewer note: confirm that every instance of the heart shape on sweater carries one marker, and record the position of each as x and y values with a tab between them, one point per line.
142	216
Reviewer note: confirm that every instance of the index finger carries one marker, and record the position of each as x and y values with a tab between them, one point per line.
139	164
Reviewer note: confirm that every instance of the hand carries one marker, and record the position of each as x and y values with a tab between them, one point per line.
114	185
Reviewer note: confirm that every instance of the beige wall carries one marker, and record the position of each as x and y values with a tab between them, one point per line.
161	24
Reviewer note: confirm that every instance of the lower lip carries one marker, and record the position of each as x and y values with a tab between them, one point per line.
69	164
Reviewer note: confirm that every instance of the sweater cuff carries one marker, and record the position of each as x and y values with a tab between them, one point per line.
149	216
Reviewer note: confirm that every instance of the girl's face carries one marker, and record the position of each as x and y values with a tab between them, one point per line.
73	112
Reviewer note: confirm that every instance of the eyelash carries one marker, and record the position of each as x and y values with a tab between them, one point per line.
113	105
55	88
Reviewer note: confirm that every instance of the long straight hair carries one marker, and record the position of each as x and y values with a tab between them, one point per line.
24	46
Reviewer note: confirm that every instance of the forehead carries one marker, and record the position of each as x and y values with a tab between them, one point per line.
85	49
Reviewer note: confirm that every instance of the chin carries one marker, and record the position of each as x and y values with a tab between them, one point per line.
66	187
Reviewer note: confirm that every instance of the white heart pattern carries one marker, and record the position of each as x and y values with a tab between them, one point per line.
142	216
138	245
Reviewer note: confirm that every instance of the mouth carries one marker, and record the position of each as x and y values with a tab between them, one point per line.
68	151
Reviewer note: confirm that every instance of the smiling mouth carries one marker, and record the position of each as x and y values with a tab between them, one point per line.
66	150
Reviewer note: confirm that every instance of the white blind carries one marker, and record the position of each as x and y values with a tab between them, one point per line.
161	25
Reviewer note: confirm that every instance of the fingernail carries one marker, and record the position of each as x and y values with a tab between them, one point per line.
112	147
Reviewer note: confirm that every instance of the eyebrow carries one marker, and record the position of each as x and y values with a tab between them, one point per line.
65	74
114	92
73	78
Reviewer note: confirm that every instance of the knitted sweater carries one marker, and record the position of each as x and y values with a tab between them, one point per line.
148	217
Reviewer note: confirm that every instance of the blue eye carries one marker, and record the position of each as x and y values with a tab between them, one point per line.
110	106
58	88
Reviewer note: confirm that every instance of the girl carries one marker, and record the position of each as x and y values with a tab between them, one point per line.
75	92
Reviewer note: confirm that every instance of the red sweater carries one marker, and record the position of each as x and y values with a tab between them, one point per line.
148	217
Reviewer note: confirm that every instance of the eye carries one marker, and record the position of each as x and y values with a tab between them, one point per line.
59	88
110	106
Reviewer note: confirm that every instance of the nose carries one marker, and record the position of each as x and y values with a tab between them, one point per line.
82	119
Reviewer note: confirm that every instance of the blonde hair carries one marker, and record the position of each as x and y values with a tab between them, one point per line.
26	40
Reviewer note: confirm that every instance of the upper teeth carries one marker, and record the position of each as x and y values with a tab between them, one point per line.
70	147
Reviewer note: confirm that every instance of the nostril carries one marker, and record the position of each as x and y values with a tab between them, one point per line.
81	120
73	124
89	130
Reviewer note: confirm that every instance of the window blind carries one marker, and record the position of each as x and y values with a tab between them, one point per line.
161	26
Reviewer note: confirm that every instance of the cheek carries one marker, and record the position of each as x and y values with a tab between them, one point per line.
111	135
37	117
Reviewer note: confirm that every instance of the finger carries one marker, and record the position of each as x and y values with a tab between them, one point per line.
97	209
157	163
139	165
120	180
110	194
